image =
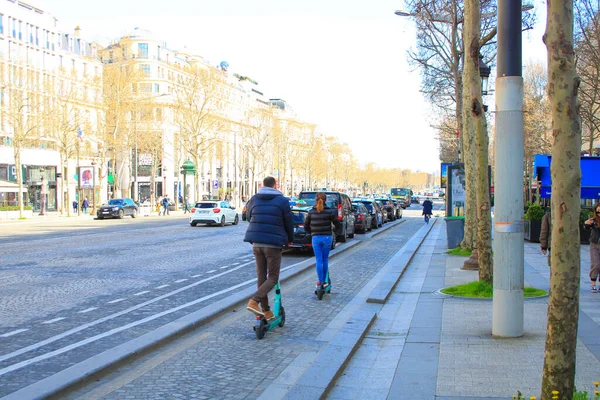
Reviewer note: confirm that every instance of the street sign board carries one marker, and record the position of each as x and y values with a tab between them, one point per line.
215	184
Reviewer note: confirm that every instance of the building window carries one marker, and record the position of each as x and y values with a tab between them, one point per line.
13	24
156	88
37	36
145	87
142	50
158	53
2	24
20	30
145	68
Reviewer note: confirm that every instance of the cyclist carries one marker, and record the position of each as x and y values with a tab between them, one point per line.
427	209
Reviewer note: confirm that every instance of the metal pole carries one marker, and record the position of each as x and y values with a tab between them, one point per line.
136	189
507	309
78	181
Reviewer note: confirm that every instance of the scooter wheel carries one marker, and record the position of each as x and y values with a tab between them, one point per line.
261	329
282	314
320	293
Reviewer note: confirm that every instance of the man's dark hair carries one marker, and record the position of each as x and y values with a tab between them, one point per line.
269	181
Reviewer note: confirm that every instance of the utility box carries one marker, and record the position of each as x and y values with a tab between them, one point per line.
455	231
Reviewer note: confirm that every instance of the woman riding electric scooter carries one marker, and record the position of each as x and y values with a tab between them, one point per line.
322	223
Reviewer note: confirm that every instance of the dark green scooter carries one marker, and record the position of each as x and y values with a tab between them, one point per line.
262	325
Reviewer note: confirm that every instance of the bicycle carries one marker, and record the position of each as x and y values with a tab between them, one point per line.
427	216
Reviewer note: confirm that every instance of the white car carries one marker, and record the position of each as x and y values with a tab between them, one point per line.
213	212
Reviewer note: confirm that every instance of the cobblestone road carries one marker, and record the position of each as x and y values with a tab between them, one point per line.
224	360
68	294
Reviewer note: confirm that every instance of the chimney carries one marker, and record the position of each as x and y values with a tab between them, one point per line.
77	31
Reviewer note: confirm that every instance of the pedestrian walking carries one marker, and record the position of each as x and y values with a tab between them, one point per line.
85	205
593	225
546	234
75	205
165	203
321	222
271	228
186	206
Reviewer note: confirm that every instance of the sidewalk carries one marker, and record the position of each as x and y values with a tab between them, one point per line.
424	345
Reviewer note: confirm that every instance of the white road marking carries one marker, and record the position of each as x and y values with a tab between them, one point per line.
225	266
75	345
181	280
195	276
235	263
163	286
7	334
141	293
115	301
87	310
51	321
211	271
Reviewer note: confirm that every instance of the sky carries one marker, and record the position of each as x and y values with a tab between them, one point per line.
340	64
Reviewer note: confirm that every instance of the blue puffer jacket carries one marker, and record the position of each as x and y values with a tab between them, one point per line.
270	218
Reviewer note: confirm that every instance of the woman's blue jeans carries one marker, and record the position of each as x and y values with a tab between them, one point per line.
321	246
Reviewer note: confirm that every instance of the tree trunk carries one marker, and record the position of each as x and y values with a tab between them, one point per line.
563	307
478	210
65	180
19	173
470	79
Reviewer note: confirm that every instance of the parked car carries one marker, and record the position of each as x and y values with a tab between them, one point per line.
302	239
338	201
389	207
414	199
375	210
118	208
398	204
362	218
213	212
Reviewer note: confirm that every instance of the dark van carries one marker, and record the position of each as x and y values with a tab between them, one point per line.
341	204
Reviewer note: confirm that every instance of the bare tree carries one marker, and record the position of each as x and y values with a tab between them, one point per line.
122	83
563	306
26	110
439	56
197	104
537	127
587	51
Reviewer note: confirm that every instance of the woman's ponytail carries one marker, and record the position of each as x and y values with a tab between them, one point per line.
320	201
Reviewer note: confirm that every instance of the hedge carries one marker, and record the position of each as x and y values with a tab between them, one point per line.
14	208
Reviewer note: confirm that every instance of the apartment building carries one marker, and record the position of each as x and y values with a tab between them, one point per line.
49	109
200	111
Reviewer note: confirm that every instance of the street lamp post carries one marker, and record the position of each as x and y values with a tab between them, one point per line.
43	192
508	304
188	168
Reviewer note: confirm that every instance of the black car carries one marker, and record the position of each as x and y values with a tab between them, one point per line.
389	207
118	208
338	201
302	239
398	207
375	210
362	218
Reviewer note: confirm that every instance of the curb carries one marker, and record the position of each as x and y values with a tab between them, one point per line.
78	374
320	375
383	290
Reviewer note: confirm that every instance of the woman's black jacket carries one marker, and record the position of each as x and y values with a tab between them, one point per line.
321	223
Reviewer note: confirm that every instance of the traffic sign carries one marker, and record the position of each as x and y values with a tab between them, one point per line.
215	184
